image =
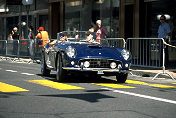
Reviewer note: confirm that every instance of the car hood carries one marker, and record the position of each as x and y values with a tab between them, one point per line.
96	51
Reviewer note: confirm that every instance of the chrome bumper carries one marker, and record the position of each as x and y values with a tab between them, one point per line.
99	70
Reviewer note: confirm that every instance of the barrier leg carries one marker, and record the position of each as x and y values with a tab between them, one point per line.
164	72
131	73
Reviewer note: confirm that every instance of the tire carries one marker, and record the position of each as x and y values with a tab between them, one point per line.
44	70
60	73
121	77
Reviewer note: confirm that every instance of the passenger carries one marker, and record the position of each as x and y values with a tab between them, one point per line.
101	32
89	37
76	36
92	30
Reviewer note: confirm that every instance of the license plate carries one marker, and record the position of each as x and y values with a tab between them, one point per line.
100	72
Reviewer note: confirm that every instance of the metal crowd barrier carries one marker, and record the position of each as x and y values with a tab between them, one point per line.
17	49
3	45
148	52
116	42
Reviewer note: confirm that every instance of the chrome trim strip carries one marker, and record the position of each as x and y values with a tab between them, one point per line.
95	69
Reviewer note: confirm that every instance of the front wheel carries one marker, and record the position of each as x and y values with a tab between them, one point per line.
60	74
121	77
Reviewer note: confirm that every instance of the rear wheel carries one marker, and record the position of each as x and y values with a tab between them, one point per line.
121	77
60	74
44	70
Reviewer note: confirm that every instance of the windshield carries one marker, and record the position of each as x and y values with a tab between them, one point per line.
80	36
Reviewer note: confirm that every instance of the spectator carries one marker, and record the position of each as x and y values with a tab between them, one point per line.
164	28
164	32
42	36
15	37
10	37
15	34
31	41
31	34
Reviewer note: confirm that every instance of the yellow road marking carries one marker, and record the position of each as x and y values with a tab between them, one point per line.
173	83
153	85
113	85
10	88
162	86
136	82
55	85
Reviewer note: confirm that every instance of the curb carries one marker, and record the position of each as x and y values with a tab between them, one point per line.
152	73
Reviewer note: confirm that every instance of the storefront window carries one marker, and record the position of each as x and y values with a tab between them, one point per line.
81	13
109	14
72	15
157	8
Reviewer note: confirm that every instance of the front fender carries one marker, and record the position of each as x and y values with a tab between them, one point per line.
63	57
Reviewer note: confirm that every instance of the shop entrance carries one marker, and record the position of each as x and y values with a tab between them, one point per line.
128	21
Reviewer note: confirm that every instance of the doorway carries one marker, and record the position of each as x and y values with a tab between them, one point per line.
128	21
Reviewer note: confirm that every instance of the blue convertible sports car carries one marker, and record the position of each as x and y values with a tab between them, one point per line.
78	52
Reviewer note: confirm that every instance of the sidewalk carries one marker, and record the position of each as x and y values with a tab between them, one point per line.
152	72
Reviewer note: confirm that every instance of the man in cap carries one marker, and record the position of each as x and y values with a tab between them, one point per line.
43	36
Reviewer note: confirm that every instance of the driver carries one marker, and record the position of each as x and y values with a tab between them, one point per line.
63	38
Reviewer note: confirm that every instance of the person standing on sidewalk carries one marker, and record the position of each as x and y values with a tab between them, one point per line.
31	41
15	37
43	36
42	39
164	32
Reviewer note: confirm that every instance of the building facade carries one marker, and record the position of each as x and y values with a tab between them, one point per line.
15	14
122	18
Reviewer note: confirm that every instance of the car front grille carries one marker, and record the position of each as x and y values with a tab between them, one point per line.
99	63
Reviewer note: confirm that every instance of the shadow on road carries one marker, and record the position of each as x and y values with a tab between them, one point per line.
81	79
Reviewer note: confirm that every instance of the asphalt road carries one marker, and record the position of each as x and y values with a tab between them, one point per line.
24	93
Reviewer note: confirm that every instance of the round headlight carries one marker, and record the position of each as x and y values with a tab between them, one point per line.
126	65
86	64
113	65
125	54
71	52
